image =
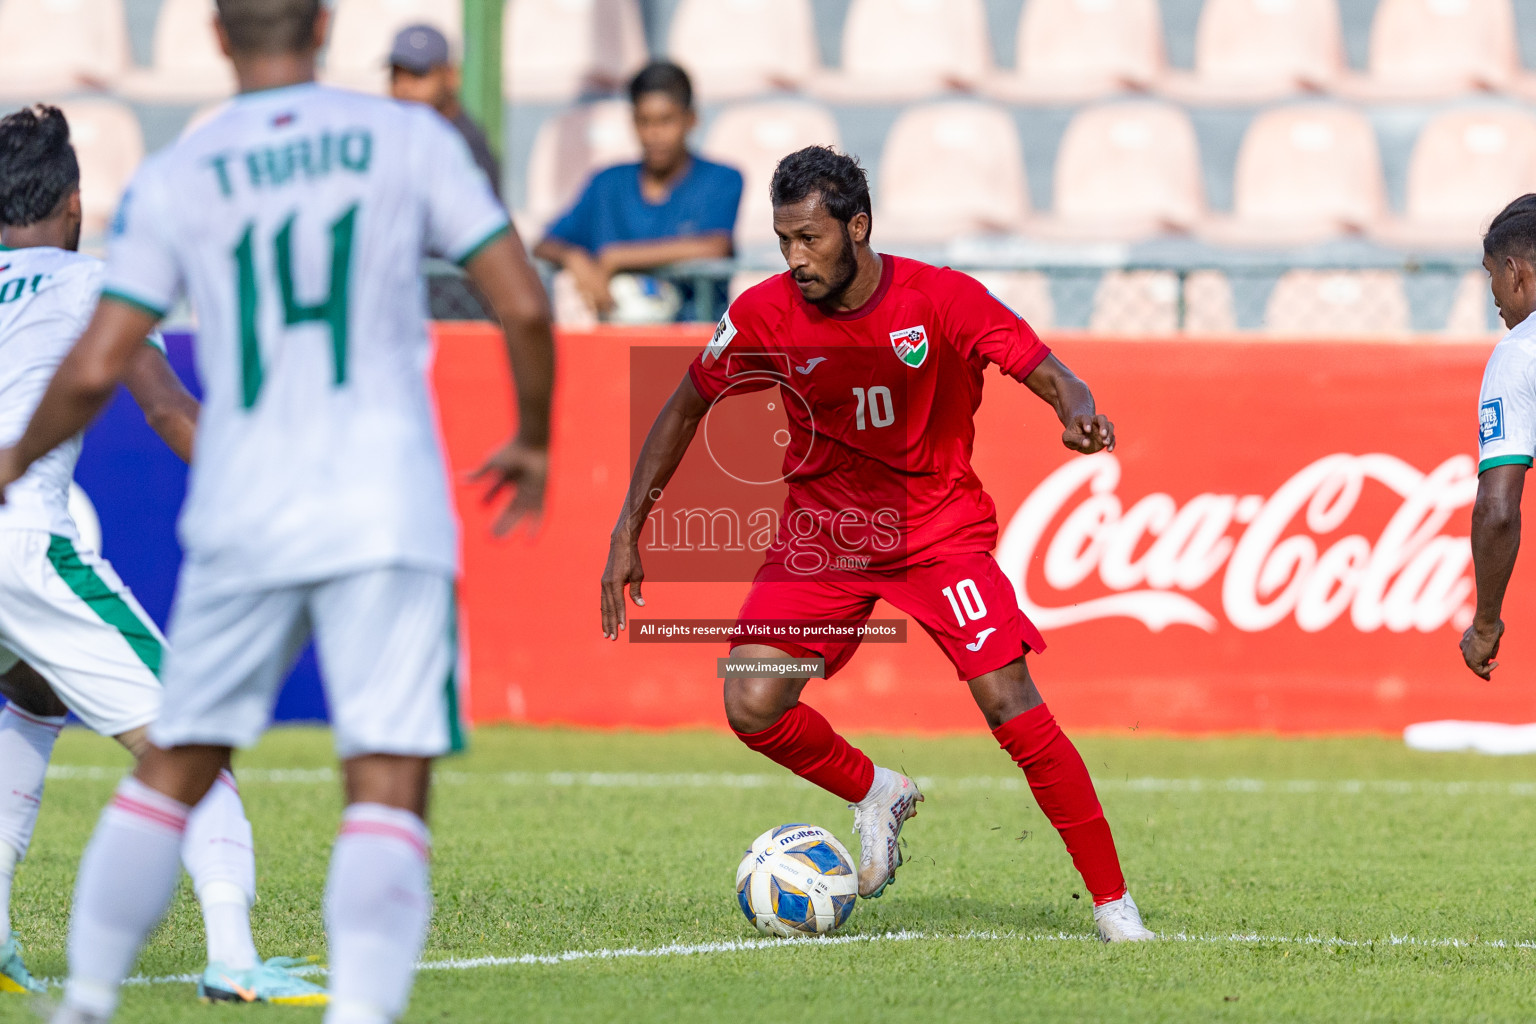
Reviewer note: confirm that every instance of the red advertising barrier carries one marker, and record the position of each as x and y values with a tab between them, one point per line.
1279	542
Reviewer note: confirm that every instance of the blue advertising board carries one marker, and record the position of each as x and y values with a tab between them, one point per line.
136	485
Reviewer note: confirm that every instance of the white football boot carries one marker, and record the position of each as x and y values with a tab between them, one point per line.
892	799
70	1015
1120	921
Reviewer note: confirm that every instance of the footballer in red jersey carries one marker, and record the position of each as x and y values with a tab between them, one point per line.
879	361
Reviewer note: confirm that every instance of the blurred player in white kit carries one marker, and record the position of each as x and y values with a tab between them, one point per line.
295	221
88	646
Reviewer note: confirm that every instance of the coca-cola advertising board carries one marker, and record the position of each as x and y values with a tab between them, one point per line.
1278	542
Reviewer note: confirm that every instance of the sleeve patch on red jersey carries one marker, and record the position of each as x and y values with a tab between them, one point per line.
724	332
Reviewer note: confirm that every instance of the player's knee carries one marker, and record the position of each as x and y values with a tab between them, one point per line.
30	692
752	705
1005	693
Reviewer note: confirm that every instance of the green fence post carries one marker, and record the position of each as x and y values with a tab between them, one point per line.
482	67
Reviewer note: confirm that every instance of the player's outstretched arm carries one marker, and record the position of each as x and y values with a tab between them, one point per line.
1086	431
1495	543
503	273
663	450
81	386
169	408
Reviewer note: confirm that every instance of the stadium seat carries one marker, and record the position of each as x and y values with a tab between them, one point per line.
1125	171
188	67
1248	50
1423	49
1472	311
1070	50
952	169
109	146
753	138
1026	292
1209	306
1304	173
555	50
54	46
1466	165
362	31
566	152
897	50
735	48
1336	303
1136	303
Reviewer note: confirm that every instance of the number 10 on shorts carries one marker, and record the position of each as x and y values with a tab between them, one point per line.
965	601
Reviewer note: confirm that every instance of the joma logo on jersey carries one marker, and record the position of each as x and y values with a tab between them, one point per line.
1490	420
911	345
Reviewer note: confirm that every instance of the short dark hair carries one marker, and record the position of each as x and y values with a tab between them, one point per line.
662	76
1513	231
269	26
822	170
38	168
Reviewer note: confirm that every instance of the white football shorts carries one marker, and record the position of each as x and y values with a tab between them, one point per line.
387	640
65	612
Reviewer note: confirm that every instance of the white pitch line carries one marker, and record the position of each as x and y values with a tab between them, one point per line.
759	945
731	780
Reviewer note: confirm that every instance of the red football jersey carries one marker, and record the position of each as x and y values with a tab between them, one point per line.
880	404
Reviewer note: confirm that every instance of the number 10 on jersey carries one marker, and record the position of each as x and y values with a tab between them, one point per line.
331	311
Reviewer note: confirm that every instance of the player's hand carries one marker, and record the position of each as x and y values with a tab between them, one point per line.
1088	434
524	469
1480	646
623	569
591	283
11	470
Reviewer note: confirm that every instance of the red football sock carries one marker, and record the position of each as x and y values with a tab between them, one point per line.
1060	782
803	741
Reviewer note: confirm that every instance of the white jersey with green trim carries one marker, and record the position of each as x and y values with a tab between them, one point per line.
46	297
295	221
1506	408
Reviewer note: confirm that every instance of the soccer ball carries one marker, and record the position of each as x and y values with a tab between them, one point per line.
641	299
797	880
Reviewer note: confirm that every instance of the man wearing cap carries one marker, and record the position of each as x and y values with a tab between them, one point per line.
422	70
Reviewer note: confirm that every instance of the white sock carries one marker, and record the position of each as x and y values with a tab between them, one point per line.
219	854
377	907
127	878
9	857
26	744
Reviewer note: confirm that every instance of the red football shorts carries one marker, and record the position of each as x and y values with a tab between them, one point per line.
963	601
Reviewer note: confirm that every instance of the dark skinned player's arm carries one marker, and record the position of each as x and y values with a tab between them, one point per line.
504	274
558	251
82	385
1085	430
1495	543
169	408
663	451
659	252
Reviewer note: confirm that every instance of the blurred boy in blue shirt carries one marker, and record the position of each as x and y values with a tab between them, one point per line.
669	207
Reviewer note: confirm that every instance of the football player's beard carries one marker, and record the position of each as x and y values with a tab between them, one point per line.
843	274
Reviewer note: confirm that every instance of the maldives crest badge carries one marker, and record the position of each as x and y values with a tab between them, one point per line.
911	345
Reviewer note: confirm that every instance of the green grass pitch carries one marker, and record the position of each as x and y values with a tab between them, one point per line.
1338	879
